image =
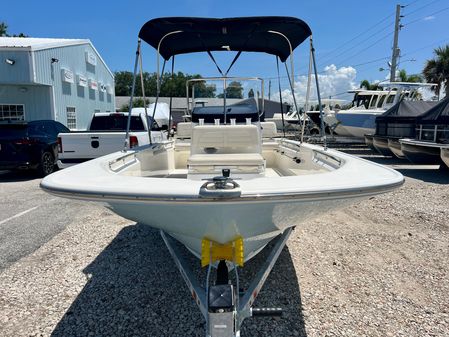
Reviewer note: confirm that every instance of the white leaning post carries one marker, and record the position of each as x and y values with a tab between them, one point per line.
223	323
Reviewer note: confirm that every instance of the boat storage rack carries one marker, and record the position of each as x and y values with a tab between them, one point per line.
222	305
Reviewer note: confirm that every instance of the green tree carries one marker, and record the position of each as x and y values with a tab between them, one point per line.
123	83
174	86
436	70
234	90
415	78
4	31
137	103
365	84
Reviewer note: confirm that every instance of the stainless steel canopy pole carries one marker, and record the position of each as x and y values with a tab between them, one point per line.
128	124
323	131
159	55
158	75
292	78
293	95
157	101
306	106
144	98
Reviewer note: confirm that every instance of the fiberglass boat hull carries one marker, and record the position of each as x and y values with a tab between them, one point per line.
369	142
381	145
257	222
419	152
357	123
395	147
265	208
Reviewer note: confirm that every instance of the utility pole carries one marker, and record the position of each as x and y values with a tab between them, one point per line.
395	54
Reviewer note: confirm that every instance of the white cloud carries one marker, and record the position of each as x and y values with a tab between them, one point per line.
429	18
333	81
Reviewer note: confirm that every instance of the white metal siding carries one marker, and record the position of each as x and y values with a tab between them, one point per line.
66	95
36	98
19	72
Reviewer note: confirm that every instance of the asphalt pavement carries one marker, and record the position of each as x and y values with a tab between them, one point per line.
29	217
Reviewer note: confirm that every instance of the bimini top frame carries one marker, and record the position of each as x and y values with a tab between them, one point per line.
276	35
247	34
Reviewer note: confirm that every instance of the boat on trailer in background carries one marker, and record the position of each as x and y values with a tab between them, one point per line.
397	122
360	119
432	137
225	187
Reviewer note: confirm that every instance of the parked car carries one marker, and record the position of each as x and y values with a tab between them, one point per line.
106	134
30	145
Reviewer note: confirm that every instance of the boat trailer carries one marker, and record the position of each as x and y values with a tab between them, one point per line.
222	304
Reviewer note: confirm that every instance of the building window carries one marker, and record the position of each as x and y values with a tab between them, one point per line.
71	117
12	112
96	110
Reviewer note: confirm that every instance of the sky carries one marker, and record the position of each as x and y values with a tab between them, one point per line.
353	39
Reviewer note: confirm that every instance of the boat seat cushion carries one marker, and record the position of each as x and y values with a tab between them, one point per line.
226	159
184	130
225	139
270	145
269	129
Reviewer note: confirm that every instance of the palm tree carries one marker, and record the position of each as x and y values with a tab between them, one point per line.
369	86
415	78
436	70
3	29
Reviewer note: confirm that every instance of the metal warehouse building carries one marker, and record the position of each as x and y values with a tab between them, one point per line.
59	79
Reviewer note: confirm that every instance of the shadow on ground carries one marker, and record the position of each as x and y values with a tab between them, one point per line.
16	176
437	174
136	290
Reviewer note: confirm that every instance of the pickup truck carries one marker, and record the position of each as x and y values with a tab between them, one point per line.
106	134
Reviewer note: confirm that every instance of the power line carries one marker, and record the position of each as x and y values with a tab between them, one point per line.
365	49
425	47
431	14
418	9
324	71
359	35
350	49
327	59
411	3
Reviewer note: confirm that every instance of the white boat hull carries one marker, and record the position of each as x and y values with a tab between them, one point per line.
357	123
257	222
265	208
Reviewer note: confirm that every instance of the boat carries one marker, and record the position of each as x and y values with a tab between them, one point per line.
161	112
313	117
398	122
225	187
289	122
432	133
395	146
329	107
421	152
360	119
369	139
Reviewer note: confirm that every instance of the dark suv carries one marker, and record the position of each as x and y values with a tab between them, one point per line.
30	145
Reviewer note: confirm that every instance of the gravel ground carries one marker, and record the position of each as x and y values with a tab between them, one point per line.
377	268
